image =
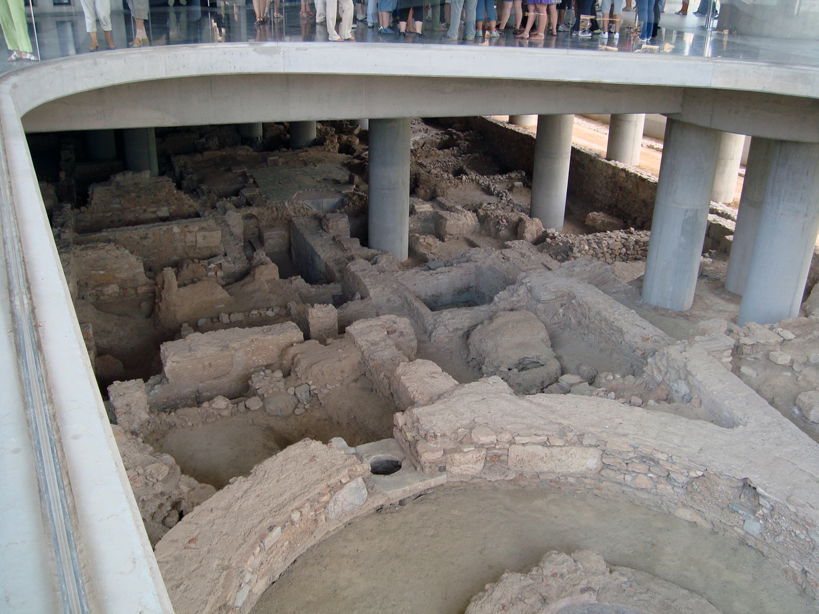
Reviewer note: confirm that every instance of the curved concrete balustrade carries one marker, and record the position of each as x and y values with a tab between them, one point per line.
188	85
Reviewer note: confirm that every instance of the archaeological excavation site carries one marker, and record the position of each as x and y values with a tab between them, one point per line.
326	406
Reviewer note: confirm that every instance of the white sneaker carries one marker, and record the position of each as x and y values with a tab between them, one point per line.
615	37
604	36
584	34
563	28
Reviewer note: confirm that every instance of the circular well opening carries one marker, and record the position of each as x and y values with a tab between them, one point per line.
384	466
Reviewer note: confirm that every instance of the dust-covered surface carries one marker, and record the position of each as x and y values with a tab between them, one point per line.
432	555
232	307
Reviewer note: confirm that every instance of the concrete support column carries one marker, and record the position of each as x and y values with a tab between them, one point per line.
389	169
727	167
785	236
750	210
363	124
140	150
252	132
524	121
302	134
625	137
680	215
550	175
101	145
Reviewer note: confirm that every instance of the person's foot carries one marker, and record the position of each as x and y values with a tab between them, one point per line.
615	37
563	28
681	13
17	55
402	33
386	30
494	34
604	36
584	34
536	36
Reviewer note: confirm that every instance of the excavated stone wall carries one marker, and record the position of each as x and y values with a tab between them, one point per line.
710	475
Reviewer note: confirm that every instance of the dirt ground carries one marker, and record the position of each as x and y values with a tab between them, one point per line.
432	555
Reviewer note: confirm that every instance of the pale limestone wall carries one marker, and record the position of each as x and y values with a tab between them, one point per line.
203	365
164	244
224	554
759	481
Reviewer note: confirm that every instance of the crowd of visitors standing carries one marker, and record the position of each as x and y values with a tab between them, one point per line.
452	19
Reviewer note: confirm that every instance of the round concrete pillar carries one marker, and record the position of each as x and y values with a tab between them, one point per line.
786	234
680	215
750	209
389	176
625	137
101	145
363	124
302	134
251	132
550	175
524	121
140	150
727	167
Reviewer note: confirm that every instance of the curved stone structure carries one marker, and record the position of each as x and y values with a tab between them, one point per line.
758	480
582	583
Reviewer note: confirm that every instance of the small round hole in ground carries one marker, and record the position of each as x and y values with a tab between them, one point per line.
384	466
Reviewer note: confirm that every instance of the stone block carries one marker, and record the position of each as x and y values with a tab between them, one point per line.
563	460
350	497
420	382
336	224
232	353
130	402
455	224
466	463
322	322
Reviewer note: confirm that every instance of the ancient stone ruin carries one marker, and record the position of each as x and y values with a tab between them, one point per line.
273	382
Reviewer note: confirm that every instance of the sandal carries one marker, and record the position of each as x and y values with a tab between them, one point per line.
140	42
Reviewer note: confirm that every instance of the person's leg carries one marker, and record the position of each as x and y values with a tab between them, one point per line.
540	12
403	15
372	13
455	19
506	13
585	8
480	14
418	17
90	14
656	11
605	6
551	10
645	13
683	9
617	9
530	22
492	18
345	29
331	14
470	7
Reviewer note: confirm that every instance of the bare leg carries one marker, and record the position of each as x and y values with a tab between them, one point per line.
530	21
552	10
506	12
541	21
108	40
93	45
518	14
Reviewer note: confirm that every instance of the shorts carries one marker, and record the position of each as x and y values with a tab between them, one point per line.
605	5
387	6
